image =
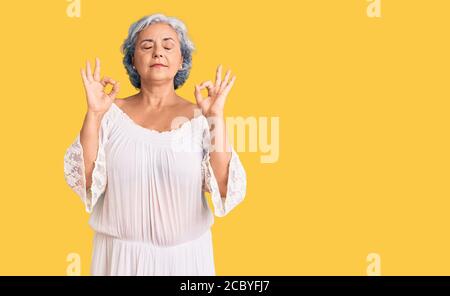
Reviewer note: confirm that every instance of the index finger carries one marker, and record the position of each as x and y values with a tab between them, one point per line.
209	85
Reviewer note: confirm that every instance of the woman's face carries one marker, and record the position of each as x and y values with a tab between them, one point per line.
157	44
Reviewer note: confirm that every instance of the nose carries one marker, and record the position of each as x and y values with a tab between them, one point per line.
157	52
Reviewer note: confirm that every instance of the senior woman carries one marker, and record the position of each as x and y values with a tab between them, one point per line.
142	164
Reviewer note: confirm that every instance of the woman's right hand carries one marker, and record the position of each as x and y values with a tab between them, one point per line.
97	99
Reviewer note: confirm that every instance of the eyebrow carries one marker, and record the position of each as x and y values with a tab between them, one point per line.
151	40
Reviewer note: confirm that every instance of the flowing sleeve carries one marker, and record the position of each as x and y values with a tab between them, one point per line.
74	169
237	179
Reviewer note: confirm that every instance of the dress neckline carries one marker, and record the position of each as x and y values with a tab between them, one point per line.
154	131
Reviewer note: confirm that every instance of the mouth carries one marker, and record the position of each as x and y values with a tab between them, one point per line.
158	65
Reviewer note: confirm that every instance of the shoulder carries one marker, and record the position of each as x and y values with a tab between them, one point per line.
113	111
186	104
123	101
193	113
187	109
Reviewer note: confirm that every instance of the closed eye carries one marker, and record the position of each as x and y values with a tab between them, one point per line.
150	47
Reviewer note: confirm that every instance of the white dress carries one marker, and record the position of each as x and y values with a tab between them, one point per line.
147	200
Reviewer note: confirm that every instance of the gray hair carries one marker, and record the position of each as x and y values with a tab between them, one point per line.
187	47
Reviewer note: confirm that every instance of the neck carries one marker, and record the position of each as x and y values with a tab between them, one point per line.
157	96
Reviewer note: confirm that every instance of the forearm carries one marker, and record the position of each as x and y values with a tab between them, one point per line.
89	135
220	155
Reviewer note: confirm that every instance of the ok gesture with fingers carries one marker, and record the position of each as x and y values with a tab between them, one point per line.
97	99
213	104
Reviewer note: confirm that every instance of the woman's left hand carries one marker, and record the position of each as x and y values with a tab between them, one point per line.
213	104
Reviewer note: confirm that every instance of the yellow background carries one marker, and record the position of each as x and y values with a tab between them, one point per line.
364	147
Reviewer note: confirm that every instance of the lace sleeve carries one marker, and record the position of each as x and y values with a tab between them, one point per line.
74	169
237	180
